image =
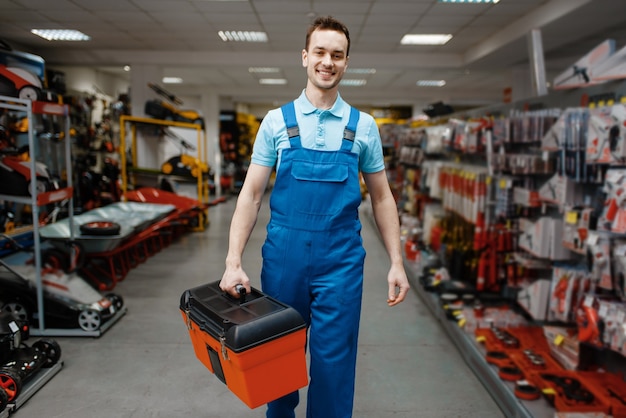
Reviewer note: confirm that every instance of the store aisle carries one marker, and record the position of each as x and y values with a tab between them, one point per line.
144	366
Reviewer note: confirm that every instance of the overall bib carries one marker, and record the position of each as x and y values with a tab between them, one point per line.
313	260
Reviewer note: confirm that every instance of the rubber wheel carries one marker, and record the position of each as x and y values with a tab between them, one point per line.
100	228
29	93
18	310
89	320
50	348
42	185
116	300
4	400
11	383
526	391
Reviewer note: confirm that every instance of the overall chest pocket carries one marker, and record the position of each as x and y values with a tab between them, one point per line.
319	187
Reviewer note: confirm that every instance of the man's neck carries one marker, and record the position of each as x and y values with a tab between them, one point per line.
321	99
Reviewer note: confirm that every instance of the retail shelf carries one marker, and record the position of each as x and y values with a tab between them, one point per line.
77	332
473	354
32	386
501	391
30	108
42	198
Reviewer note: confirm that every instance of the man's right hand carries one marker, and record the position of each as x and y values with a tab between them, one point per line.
231	279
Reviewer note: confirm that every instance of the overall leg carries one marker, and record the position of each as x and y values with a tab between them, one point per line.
285	276
335	315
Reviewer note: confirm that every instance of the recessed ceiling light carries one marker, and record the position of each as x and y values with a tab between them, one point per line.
273	81
361	70
264	70
353	83
172	80
61	34
242	36
427	39
431	83
469	1
127	68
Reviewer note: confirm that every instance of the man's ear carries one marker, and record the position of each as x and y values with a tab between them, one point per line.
305	58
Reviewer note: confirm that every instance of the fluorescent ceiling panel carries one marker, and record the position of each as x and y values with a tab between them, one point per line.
353	83
361	70
61	34
273	81
425	39
264	70
242	36
431	83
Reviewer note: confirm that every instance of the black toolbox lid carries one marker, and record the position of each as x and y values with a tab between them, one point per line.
244	324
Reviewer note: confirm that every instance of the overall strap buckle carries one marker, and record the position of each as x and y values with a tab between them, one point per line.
289	116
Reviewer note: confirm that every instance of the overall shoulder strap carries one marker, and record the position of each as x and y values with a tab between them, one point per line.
349	131
289	115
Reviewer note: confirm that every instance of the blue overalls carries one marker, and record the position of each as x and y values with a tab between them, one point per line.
313	260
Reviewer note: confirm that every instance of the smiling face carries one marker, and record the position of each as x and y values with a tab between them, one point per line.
325	60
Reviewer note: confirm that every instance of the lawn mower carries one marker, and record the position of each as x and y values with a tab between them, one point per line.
168	110
183	165
22	75
19	362
15	175
69	302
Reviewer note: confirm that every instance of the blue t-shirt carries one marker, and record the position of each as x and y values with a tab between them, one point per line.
320	130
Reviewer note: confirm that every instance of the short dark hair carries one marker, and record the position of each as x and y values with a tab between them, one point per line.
327	23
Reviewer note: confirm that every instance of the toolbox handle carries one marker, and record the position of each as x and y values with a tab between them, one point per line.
242	293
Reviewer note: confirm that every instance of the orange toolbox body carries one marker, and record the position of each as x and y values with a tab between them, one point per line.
255	345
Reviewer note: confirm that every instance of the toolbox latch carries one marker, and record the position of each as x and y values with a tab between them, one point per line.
188	319
223	343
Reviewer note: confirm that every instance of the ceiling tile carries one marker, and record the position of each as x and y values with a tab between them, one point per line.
186	30
164	5
49	5
226	7
282	6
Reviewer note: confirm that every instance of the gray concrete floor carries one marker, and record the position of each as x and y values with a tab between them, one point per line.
144	366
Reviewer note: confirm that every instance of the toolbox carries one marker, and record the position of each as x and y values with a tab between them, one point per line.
254	344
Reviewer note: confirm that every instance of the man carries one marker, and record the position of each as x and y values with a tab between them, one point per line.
313	256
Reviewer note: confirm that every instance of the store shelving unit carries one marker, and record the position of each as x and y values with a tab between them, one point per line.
474	356
472	353
201	180
37	200
530	176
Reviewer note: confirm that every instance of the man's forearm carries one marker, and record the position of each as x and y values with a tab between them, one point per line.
386	218
241	227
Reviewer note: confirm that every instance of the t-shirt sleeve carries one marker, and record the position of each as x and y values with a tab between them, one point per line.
264	151
372	160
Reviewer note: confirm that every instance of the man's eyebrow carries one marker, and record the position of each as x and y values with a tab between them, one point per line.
341	51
